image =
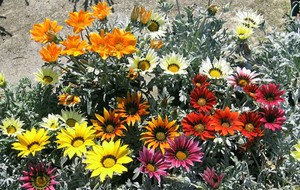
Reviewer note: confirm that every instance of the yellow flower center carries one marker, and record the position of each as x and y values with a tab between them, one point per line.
249	127
173	67
242	82
199	127
225	124
33	146
160	136
11	129
109	162
201	101
144	65
150	167
109	128
71	122
181	155
47	79
77	141
53	126
215	73
119	46
41	182
154	26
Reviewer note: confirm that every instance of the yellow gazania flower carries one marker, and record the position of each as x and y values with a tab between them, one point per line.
45	32
132	107
109	125
31	142
107	159
121	42
47	76
243	32
80	20
11	126
158	132
174	64
71	117
98	44
50	53
68	100
74	46
75	140
51	122
101	11
2	81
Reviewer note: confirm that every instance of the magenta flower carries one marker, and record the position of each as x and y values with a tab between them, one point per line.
269	95
273	118
39	177
211	178
153	164
242	77
183	152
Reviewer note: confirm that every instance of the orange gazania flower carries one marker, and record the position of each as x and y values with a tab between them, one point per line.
158	132
74	46
144	15
121	42
198	125
132	107
251	124
101	11
45	32
80	20
51	52
109	125
68	100
202	99
98	44
226	121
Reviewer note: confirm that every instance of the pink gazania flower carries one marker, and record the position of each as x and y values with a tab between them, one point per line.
200	80
202	99
39	176
198	125
269	95
251	124
273	118
183	151
153	163
211	178
242	77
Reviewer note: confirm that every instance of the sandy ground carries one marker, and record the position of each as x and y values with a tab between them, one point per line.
19	55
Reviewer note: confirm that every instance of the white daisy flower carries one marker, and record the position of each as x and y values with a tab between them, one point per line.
174	64
71	117
218	69
11	126
144	64
51	122
249	19
157	26
47	76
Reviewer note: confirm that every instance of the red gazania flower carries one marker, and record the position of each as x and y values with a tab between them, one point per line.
251	89
153	163
226	121
39	176
202	99
132	107
273	118
183	152
251	124
200	80
198	124
269	95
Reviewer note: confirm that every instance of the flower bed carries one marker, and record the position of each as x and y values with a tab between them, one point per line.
155	103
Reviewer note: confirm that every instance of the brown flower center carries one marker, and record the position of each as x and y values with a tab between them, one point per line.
249	127
199	127
225	124
71	122
201	101
109	128
160	136
41	181
150	167
47	79
181	155
154	26
173	67
144	65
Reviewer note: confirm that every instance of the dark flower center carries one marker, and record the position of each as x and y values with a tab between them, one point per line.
131	109
269	97
144	65
109	128
47	79
270	118
154	26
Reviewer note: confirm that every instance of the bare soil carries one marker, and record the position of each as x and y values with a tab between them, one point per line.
19	55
